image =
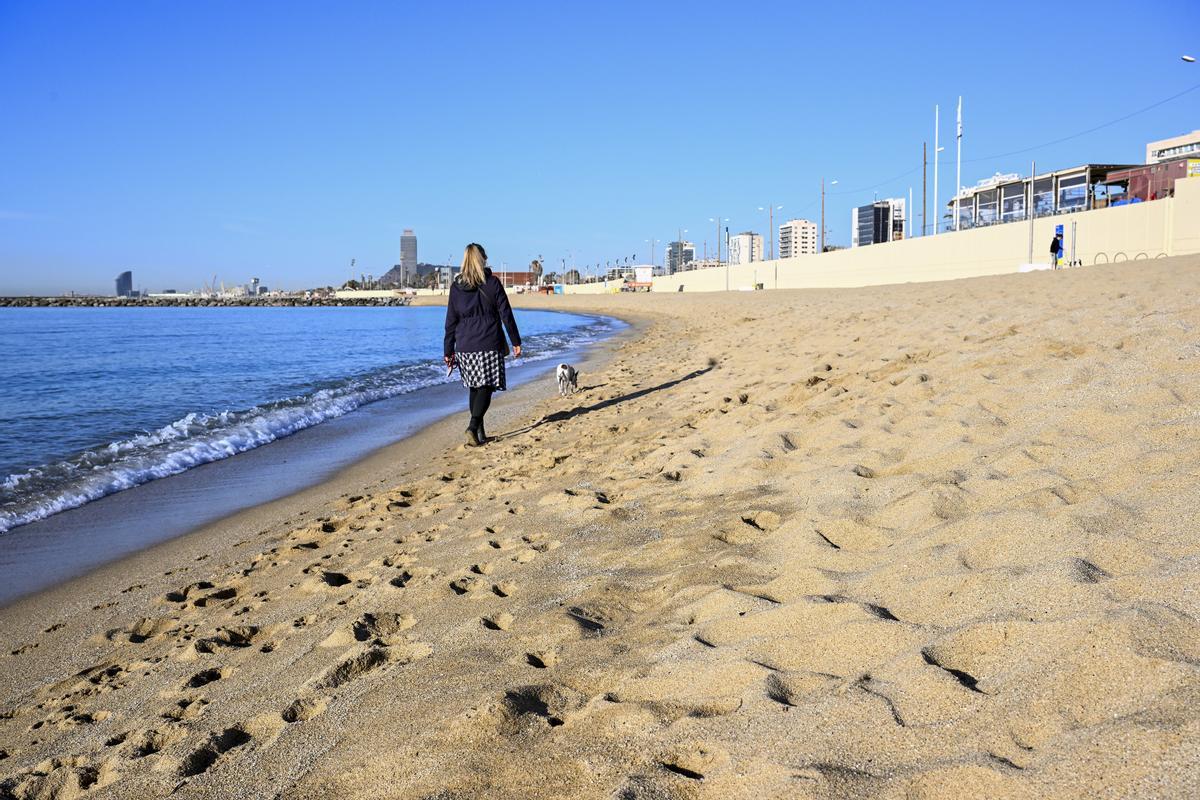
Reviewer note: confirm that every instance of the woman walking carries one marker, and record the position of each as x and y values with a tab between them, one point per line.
477	314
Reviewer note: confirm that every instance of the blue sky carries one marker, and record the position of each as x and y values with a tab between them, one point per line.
281	140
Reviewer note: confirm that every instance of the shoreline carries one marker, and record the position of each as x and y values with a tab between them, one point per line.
915	541
425	439
71	522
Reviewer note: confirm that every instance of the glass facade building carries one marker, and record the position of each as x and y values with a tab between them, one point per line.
1007	198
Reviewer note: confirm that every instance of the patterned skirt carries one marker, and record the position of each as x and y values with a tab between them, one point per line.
481	369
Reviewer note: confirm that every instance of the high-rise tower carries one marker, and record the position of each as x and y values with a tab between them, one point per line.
408	256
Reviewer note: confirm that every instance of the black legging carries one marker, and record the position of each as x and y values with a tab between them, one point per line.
481	398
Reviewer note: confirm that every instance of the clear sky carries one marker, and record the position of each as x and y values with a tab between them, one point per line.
280	140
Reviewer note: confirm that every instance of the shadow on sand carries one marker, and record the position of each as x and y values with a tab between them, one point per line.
561	416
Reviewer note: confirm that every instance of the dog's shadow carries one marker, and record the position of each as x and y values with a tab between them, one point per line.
578	411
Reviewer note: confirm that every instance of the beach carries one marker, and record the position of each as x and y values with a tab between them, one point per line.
913	541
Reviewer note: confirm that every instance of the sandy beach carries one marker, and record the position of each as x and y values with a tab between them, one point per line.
921	541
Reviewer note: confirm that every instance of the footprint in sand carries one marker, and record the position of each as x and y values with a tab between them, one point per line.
217	745
468	584
235	637
504	588
185	709
381	626
500	621
695	760
524	555
414	576
303	709
542	659
149	742
205	677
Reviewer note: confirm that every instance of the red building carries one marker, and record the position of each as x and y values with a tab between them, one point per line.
515	278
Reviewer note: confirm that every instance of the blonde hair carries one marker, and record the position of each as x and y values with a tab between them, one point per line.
474	259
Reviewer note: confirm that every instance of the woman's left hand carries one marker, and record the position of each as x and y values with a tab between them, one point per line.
516	351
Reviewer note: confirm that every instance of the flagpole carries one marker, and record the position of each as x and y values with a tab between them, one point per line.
936	149
958	167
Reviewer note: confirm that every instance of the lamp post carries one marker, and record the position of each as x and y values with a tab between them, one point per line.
958	166
770	209
718	220
831	183
652	242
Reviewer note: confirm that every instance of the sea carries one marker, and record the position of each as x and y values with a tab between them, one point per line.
97	401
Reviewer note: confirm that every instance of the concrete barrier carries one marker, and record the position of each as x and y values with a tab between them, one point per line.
1140	231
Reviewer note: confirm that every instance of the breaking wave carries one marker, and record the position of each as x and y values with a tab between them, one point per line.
201	438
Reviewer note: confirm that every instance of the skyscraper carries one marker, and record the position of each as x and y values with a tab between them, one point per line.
408	256
125	284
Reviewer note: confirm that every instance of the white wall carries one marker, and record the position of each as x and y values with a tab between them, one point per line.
1166	227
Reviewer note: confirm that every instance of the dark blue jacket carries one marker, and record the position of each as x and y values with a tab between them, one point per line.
474	317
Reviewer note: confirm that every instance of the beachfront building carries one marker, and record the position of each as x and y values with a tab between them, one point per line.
878	222
678	255
515	278
125	284
1175	147
797	237
745	247
1005	197
1146	182
408	255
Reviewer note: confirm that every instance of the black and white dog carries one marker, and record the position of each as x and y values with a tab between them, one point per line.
568	380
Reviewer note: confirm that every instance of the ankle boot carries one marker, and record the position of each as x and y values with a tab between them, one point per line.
473	437
483	437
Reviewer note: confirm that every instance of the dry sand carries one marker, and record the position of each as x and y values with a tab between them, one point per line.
917	541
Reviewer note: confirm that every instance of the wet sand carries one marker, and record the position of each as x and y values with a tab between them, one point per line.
933	540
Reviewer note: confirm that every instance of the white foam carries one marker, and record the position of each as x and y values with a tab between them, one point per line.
198	438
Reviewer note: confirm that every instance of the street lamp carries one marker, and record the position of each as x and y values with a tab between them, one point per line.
831	183
718	220
652	242
771	225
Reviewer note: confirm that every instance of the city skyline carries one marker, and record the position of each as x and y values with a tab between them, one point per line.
176	164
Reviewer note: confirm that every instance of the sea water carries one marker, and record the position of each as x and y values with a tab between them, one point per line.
94	401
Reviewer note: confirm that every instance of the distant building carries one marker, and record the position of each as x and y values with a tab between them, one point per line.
252	289
408	254
515	278
1165	149
745	247
878	222
679	254
797	237
125	284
